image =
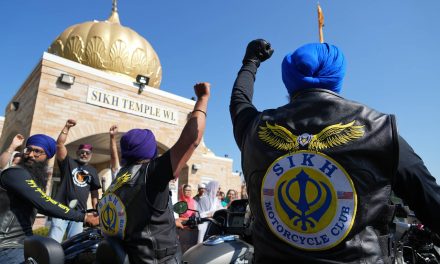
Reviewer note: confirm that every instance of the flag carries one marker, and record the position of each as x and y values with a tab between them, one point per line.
345	195
268	192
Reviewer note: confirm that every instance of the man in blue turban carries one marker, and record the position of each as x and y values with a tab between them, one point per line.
315	65
47	144
22	194
140	192
320	169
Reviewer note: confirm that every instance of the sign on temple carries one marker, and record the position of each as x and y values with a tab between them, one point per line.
100	97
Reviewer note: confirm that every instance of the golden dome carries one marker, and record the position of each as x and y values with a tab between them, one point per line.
111	47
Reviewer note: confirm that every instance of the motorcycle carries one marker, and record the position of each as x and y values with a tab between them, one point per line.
75	250
227	238
78	249
415	243
228	234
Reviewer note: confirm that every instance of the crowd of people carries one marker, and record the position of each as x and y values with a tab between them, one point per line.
222	201
140	184
79	179
208	199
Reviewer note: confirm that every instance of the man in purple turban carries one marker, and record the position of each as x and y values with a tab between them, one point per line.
140	192
78	180
138	144
22	194
320	169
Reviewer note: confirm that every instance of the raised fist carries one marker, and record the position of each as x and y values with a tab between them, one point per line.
70	123
113	130
202	89
258	50
17	141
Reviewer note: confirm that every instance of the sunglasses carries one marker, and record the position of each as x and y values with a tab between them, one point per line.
187	190
37	152
84	152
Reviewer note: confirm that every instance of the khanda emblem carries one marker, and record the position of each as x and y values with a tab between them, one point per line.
331	136
108	217
308	208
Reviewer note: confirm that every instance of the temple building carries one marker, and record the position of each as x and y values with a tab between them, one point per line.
89	74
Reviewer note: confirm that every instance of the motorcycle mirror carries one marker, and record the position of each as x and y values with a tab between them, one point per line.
180	207
73	203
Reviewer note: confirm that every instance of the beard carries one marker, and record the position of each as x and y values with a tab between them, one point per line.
83	161
38	170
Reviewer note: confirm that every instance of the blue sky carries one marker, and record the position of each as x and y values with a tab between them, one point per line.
391	47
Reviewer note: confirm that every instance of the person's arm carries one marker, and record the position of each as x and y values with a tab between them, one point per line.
417	187
20	182
193	131
95	185
5	157
241	108
114	158
94	195
61	141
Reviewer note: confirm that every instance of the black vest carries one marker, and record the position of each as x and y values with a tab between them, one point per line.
16	218
318	172
148	234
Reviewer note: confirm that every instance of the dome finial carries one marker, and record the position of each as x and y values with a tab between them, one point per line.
114	17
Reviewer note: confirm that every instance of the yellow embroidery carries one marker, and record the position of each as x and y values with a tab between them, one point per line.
335	135
278	137
121	180
48	199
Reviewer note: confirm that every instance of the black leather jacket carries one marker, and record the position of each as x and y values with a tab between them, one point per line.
20	198
126	213
16	219
319	172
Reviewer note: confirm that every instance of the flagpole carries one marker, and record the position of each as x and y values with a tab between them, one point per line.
320	24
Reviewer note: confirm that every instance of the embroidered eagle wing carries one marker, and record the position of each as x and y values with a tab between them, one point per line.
336	135
278	137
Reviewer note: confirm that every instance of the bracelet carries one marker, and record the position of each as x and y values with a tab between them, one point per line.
62	131
198	110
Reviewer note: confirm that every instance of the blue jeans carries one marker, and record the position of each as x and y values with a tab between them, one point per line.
12	255
59	226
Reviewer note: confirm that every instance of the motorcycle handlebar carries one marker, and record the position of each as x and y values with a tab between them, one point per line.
192	222
421	229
